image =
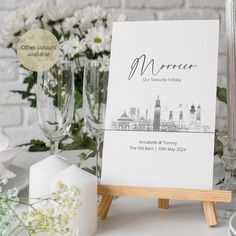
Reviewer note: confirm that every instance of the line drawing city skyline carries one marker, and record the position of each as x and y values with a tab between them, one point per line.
160	118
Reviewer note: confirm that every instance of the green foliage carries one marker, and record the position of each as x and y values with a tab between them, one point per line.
29	81
78	100
36	146
80	140
222	94
220	181
91	170
218	145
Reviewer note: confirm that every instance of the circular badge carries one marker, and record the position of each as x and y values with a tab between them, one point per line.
38	50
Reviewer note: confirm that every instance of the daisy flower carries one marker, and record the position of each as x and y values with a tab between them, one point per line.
58	13
69	23
98	39
73	46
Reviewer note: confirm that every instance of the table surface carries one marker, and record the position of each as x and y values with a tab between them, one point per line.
141	217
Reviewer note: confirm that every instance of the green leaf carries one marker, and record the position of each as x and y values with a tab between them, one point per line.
90	170
82	156
76	130
78	100
79	75
222	94
17	33
30	80
219	148
31	97
51	22
221	181
56	34
32	102
36	146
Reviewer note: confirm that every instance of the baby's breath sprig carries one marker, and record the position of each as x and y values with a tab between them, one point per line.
50	214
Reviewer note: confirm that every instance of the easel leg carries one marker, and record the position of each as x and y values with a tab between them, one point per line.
210	213
104	206
163	203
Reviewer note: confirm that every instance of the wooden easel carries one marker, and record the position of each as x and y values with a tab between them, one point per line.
207	197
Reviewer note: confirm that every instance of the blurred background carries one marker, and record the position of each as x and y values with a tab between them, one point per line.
19	121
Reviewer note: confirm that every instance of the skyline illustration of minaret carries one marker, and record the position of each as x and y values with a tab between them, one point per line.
171	116
192	119
157	115
181	116
132	112
198	118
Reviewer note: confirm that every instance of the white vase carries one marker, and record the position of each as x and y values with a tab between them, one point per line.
42	173
86	219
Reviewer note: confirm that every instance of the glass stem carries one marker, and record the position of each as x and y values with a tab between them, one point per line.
99	159
53	147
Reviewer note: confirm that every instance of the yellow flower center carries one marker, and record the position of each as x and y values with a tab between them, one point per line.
97	40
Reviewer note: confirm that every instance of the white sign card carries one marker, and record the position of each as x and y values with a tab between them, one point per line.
160	116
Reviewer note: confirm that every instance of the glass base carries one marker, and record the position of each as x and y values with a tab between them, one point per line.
226	210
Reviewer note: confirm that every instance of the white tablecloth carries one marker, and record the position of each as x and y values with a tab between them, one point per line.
141	217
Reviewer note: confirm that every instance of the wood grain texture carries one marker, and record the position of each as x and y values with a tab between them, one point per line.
210	213
104	206
166	193
163	203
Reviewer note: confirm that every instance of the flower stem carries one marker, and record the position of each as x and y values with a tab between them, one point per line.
53	147
19	219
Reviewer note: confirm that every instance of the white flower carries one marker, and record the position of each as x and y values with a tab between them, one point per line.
30	15
58	28
73	46
32	23
113	17
90	15
98	39
99	23
33	11
58	13
104	63
69	23
6	38
85	26
15	23
78	15
93	13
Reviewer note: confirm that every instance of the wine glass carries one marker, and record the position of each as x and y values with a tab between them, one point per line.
55	108
94	103
55	102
